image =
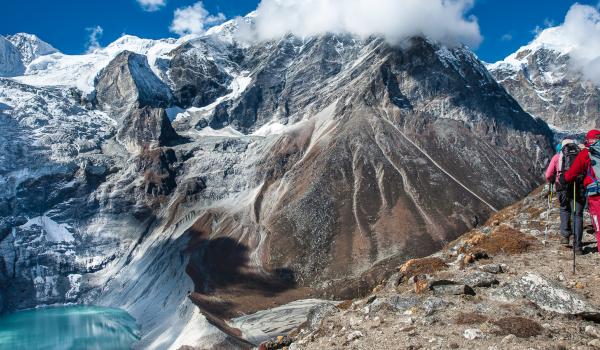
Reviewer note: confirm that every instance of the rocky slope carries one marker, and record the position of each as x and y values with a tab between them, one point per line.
497	287
543	78
261	175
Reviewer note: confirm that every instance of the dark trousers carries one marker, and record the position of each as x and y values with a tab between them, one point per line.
566	211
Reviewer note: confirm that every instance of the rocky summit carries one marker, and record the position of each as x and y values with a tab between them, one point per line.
207	186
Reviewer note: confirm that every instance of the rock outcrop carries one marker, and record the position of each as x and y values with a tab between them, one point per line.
147	127
195	79
128	83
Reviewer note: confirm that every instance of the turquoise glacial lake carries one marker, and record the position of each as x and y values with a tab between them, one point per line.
68	328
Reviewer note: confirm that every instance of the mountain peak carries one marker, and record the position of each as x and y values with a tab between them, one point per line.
30	46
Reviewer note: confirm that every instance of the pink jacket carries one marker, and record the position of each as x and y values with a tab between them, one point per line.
552	171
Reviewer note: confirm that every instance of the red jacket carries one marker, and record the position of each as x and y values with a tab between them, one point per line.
581	165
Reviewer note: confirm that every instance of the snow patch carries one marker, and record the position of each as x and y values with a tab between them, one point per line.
79	71
74	283
272	128
54	231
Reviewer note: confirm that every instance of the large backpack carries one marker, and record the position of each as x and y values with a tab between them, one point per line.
593	189
568	153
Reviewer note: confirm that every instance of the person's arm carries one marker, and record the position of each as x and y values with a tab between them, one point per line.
551	171
579	167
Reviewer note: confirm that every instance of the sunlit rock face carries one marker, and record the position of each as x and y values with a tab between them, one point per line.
546	82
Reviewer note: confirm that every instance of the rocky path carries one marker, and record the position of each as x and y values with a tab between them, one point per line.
497	287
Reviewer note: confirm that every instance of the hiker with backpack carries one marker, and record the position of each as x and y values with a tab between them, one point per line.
561	163
587	165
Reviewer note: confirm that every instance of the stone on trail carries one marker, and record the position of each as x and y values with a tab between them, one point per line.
548	295
354	335
492	268
394	303
432	304
479	279
472	334
451	289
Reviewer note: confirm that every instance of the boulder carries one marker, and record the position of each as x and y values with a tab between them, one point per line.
548	295
433	304
317	313
395	303
447	287
479	279
492	268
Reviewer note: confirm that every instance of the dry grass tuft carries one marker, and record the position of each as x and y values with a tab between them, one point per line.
415	267
470	318
504	240
519	326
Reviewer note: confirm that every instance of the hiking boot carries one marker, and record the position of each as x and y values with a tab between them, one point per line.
564	241
578	252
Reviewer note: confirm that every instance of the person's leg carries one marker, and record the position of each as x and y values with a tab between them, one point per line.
578	222
594	208
565	215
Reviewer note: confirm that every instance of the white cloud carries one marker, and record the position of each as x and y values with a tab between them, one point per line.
94	37
194	19
506	37
579	35
441	20
152	5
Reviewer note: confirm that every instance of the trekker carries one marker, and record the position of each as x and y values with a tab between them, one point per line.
587	164
560	163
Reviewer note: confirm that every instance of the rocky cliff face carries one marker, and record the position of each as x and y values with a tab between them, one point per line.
544	80
128	83
301	167
11	63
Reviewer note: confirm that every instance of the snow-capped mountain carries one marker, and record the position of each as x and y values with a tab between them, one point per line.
30	46
543	77
190	181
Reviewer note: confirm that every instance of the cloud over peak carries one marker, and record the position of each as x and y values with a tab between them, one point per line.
579	36
194	19
445	21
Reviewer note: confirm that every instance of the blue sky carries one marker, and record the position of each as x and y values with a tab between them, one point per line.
505	24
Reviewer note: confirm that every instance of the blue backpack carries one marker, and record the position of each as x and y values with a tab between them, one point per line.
593	189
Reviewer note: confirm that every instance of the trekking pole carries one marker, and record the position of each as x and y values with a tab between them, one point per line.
573	223
548	214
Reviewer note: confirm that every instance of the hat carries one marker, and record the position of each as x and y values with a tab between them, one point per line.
566	142
592	135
